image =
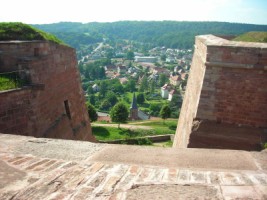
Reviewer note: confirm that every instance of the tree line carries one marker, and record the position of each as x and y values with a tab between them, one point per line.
171	34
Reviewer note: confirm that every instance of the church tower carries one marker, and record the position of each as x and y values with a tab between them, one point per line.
133	109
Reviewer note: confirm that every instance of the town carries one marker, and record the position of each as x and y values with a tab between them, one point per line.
113	71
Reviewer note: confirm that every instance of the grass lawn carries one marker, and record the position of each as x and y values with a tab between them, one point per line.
160	127
157	128
6	83
109	133
253	36
163	144
112	133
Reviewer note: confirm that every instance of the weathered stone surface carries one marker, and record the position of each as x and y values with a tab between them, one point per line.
179	192
29	175
226	85
39	110
9	175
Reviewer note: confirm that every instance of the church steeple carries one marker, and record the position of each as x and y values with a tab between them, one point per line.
134	103
134	109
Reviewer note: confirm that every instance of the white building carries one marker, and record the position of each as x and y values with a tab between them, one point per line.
165	91
95	88
148	59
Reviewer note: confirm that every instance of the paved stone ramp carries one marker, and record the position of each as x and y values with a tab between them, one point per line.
26	174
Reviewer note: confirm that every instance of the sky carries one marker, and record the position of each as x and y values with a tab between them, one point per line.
52	11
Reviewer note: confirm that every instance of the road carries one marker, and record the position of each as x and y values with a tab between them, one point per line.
129	126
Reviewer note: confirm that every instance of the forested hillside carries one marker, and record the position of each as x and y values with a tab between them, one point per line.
252	37
164	33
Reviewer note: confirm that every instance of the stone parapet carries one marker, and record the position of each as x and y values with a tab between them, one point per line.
54	105
232	77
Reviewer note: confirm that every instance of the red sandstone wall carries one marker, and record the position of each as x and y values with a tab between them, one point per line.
15	111
234	86
234	89
191	99
235	96
55	67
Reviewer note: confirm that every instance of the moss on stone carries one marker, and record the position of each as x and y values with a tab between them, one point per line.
20	31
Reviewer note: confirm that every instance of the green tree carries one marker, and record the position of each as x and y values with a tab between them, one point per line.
110	53
140	98
117	87
130	55
163	57
112	98
152	86
154	109
176	104
92	112
92	99
90	90
103	88
165	112
119	113
102	73
143	85
130	86
176	101
105	105
162	79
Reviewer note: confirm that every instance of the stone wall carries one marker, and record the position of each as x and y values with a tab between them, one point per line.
191	98
233	92
53	105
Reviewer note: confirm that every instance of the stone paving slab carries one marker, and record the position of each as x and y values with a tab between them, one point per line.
72	180
26	176
171	157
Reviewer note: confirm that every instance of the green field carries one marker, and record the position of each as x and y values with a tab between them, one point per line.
158	127
252	37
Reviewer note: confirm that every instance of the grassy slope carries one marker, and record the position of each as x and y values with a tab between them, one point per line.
6	84
158	128
252	37
20	31
146	104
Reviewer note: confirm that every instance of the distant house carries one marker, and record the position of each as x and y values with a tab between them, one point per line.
184	76
95	88
165	90
96	56
170	60
153	77
175	80
179	69
121	69
123	80
148	59
159	70
111	68
171	93
134	75
110	74
131	70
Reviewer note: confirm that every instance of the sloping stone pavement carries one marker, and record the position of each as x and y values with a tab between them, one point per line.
28	175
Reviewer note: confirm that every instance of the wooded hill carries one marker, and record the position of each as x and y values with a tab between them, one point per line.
252	37
171	34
